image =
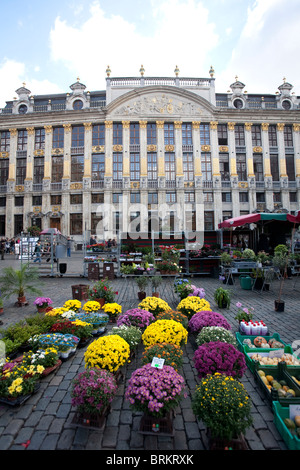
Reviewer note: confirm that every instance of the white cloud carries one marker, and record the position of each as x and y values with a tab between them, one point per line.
182	35
267	49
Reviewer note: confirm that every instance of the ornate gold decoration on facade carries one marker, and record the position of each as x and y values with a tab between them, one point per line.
58	151
38	152
126	124
160	124
13	132
189	184
248	126
257	149
243	184
296	127
169	148
19	188
48	129
30	130
214	125
67	127
37	209
134	185
265	126
108	71
224	149
4	154
87	126
76	186
118	148
196	124
205	148
55	209
151	148
108	124
98	149
177	124
280	126
230	126
143	124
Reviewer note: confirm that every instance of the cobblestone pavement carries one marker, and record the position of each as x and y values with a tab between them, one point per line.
43	422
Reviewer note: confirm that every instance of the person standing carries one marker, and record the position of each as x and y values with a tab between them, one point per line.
38	253
69	245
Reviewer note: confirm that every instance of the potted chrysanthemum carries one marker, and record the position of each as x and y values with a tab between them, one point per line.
215	333
192	304
107	352
42	303
136	317
112	310
207	318
131	334
154	305
217	356
165	331
172	354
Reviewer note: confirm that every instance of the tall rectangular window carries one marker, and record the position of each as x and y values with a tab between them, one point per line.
272	134
38	170
204	134
4	141
134	134
22	140
20	170
75	224
77	167
206	166
4	165
188	167
117	166
98	167
170	170
209	223
169	133
117	133
134	166
57	169
98	134
58	137
222	134
256	135
18	224
239	134
151	133
152	166
187	134
39	139
288	136
258	167
290	167
77	136
241	167
274	167
224	166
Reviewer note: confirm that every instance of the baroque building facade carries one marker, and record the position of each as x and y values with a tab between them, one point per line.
71	160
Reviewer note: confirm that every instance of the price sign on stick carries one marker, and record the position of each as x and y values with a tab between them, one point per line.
157	362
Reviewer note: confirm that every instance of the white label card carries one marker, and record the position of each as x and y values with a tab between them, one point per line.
157	362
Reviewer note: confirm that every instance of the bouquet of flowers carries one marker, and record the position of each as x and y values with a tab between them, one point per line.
74	305
93	390
229	413
131	334
102	290
43	302
244	313
174	315
217	356
91	306
207	318
108	352
136	317
155	391
215	333
171	353
192	304
154	305
165	331
112	309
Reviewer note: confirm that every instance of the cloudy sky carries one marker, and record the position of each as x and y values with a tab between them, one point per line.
48	45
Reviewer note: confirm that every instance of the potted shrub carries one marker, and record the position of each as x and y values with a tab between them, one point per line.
226	259
102	292
142	282
18	282
248	254
155	282
222	297
227	416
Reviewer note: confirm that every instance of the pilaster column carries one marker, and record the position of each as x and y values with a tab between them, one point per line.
266	149
30	153
67	151
178	148
143	148
249	149
296	140
48	152
87	150
231	147
214	148
281	151
108	149
126	148
160	149
196	148
12	154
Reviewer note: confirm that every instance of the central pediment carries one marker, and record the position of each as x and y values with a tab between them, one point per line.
160	102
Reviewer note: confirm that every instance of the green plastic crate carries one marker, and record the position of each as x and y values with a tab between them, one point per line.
252	363
240	338
278	373
280	413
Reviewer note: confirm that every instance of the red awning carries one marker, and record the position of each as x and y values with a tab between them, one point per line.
253	218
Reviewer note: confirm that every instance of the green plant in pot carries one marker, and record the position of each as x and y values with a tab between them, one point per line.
222	297
155	282
19	281
248	254
226	259
142	282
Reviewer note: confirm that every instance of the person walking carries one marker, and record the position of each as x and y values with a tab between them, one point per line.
69	245
38	250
